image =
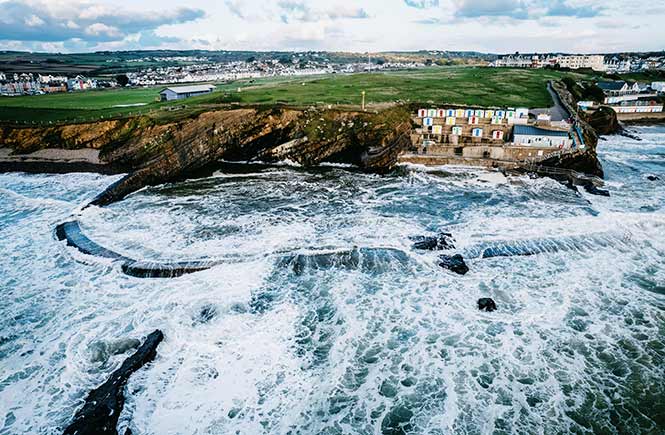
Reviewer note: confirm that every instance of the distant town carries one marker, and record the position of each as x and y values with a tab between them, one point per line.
158	69
193	73
193	69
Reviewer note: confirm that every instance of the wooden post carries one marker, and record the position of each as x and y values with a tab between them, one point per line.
363	103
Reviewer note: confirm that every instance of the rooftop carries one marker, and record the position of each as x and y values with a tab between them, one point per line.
189	89
529	130
611	86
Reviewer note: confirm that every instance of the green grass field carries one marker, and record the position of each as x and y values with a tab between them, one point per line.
442	85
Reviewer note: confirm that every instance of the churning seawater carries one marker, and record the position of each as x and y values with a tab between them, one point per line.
391	344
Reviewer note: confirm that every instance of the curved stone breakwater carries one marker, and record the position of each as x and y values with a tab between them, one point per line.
71	233
356	258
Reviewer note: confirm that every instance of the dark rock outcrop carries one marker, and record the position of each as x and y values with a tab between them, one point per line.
604	121
437	243
103	405
585	163
486	304
592	189
455	264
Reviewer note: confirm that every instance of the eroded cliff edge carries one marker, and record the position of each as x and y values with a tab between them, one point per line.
154	152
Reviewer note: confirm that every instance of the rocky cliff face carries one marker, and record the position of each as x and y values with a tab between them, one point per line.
604	121
155	152
586	162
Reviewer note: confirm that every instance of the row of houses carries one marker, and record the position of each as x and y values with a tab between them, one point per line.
632	97
27	84
612	63
593	61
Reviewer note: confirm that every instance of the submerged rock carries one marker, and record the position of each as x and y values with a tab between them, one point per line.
486	304
103	405
436	243
206	314
455	264
101	351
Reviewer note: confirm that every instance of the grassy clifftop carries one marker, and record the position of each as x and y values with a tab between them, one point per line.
439	85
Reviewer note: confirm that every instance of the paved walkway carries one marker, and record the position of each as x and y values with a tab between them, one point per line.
558	112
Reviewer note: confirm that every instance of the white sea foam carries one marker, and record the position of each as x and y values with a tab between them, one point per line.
576	341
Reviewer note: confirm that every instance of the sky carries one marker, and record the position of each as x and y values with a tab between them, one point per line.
499	26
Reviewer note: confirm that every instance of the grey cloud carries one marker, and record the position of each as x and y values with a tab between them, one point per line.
422	4
491	8
235	7
561	8
522	9
35	22
299	11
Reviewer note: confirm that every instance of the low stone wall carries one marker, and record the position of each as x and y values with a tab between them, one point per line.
512	153
637	117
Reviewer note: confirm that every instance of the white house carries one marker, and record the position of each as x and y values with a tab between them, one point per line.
528	135
182	92
658	86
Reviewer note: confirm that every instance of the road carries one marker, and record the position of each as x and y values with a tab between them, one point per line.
558	112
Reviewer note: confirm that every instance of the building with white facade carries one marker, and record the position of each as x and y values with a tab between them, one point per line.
182	92
593	61
528	135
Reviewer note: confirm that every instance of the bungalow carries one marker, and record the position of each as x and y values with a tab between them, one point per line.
527	135
182	92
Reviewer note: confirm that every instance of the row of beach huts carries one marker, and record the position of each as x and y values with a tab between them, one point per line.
493	126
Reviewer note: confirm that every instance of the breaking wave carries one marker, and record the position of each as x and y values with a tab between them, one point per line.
321	318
